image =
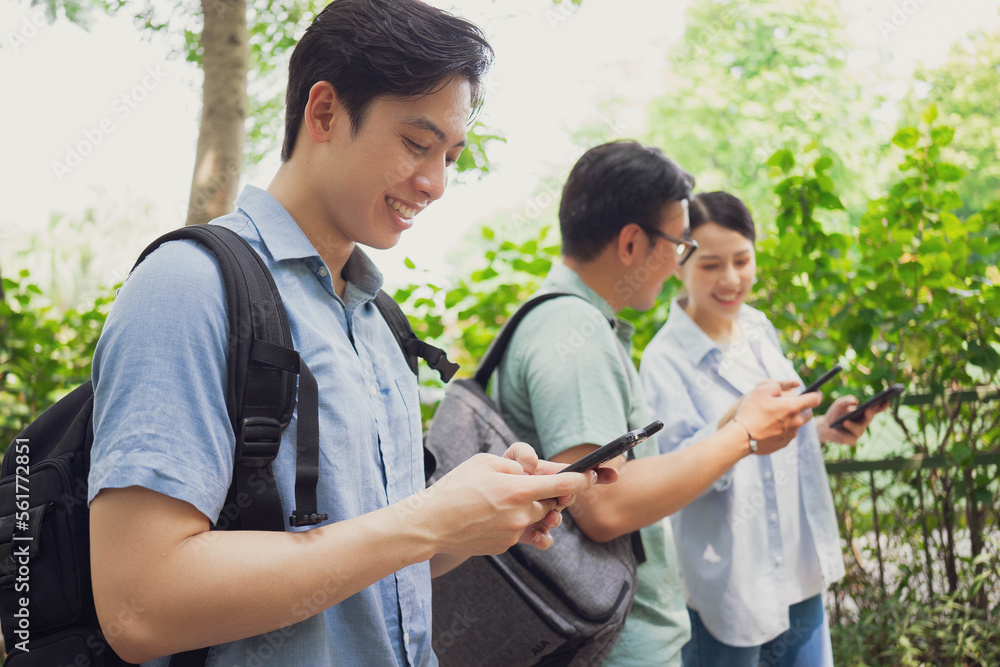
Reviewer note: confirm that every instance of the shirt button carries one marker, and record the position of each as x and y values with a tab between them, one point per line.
373	390
779	560
406	637
774	517
322	272
767	474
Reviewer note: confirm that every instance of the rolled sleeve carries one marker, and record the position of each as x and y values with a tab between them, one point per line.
576	383
669	396
160	377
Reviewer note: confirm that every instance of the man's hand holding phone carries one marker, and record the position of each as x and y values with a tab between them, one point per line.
489	503
537	534
773	412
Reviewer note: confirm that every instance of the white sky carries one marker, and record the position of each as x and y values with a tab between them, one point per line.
113	87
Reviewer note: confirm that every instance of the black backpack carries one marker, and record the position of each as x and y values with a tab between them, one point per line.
46	599
562	606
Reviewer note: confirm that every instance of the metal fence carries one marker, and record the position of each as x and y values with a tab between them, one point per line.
922	526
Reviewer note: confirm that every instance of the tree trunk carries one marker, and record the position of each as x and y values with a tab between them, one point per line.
224	110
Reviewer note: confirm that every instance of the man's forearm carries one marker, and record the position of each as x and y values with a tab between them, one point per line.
220	586
655	487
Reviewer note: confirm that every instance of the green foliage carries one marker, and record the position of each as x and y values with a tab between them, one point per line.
890	631
908	296
42	354
752	78
924	305
473	159
466	316
802	267
967	90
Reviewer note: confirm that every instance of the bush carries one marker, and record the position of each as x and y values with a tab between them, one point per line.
43	354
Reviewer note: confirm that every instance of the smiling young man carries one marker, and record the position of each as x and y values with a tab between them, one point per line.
567	384
379	97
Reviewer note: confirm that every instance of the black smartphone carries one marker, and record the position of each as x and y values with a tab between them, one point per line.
823	378
878	399
616	447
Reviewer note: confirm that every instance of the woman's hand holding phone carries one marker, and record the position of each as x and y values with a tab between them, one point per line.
833	427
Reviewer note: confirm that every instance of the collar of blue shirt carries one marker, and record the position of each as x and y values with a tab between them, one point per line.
284	239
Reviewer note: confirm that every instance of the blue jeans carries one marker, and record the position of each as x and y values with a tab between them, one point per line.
805	644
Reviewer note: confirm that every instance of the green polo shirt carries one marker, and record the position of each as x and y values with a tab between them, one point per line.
567	380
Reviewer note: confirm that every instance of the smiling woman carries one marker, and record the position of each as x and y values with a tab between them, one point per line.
758	549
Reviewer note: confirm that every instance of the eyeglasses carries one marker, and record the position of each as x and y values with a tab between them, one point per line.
685	246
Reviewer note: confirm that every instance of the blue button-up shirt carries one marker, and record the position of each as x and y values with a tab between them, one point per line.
161	423
730	540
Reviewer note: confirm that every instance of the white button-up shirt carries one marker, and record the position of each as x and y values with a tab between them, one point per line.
765	535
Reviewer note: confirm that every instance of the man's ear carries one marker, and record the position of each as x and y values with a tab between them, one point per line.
630	245
323	111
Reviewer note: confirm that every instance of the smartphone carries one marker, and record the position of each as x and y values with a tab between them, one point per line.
616	447
878	399
823	379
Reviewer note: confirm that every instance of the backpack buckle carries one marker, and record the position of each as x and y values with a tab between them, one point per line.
303	519
257	441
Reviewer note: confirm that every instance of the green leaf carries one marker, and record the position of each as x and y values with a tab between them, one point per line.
949	172
409	263
942	136
831	201
860	335
961	453
488	233
823	164
782	159
983	356
453	298
906	137
929	114
949	200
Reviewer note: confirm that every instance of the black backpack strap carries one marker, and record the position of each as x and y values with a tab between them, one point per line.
261	388
413	348
499	345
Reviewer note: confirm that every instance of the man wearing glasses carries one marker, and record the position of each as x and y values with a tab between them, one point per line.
567	384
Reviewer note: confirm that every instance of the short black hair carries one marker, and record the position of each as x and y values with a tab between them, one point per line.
373	48
612	185
724	210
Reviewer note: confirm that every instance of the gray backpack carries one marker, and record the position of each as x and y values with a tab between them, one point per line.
562	606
